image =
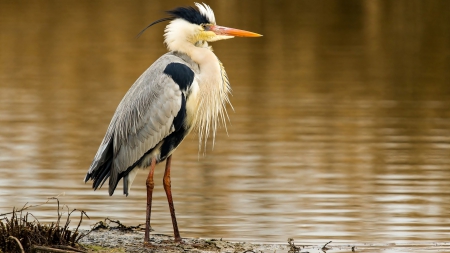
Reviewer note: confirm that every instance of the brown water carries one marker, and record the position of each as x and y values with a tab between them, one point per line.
341	129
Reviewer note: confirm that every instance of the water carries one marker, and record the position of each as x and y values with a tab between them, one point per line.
341	128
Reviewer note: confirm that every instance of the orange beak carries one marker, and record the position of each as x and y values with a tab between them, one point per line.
222	30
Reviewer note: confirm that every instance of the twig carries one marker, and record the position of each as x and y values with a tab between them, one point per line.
294	249
99	225
57	212
326	244
324	247
47	249
25	207
18	243
122	227
68	248
119	224
79	223
36	219
68	217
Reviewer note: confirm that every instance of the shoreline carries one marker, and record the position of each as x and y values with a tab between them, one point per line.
115	240
112	240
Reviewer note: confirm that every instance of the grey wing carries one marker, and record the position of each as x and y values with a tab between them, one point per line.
142	120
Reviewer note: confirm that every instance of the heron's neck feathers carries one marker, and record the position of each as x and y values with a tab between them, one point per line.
214	87
212	101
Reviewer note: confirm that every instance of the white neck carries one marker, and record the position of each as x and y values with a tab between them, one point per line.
210	101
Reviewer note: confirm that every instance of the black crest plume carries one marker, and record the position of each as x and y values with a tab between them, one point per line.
190	14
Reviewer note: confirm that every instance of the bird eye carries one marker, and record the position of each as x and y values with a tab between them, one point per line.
205	27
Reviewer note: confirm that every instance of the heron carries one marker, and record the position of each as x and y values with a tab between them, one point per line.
185	89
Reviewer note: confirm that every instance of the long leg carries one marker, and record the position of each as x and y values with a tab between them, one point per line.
150	185
168	189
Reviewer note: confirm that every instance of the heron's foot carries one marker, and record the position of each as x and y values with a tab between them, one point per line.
178	240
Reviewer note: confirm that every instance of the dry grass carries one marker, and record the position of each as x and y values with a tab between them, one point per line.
22	232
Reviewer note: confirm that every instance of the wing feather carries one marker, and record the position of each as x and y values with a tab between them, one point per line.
142	120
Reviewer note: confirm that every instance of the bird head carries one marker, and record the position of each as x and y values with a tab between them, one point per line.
196	26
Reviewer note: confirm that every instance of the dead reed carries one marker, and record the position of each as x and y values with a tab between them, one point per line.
22	232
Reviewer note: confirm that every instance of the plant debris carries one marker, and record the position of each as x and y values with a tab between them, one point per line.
325	248
106	225
292	247
22	232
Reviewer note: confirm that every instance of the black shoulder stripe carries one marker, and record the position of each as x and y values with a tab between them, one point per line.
175	138
181	74
178	121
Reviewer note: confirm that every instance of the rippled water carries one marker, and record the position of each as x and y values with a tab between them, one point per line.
341	128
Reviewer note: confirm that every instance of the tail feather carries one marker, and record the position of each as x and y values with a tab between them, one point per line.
105	173
100	169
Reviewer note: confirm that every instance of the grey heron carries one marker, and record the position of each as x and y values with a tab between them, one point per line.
185	89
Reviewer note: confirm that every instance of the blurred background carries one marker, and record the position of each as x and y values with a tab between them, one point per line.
341	128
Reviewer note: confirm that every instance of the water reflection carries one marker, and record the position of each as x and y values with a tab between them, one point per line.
341	130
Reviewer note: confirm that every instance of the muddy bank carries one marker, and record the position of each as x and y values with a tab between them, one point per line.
113	241
109	240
